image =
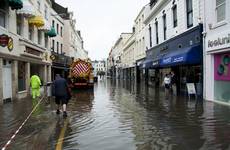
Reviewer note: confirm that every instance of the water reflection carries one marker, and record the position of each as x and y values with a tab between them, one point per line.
123	115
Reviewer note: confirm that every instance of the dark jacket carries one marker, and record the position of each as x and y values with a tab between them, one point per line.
60	87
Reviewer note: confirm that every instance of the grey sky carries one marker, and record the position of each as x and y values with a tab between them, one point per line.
102	21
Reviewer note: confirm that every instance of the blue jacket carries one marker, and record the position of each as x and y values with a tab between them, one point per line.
60	87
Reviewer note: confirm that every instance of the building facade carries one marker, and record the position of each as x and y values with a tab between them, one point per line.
31	42
99	67
115	55
217	51
24	47
174	42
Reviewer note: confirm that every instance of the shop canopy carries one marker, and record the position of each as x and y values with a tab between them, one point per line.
184	56
27	10
15	4
37	21
52	32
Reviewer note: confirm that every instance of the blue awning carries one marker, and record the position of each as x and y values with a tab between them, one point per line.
150	64
185	56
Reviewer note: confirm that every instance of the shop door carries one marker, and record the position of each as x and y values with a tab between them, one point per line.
7	80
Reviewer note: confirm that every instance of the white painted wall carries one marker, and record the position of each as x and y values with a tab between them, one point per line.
213	31
156	12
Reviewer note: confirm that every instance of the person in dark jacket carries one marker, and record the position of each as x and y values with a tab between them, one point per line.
61	93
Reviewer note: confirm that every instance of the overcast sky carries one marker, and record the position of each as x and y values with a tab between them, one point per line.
102	21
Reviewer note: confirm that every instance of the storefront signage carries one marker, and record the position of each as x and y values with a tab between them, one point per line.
191	88
52	57
33	51
5	40
155	63
175	59
222	66
219	41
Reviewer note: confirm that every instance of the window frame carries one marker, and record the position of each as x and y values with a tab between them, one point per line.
31	34
216	7
150	36
53	45
57	47
61	31
174	15
39	33
164	26
188	13
57	28
157	34
19	27
4	12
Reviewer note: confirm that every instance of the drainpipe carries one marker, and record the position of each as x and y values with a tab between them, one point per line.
204	51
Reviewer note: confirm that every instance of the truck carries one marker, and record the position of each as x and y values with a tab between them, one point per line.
81	74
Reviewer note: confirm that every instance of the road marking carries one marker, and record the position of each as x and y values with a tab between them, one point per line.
61	136
16	132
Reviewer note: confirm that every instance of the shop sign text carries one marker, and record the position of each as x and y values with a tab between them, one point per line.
219	41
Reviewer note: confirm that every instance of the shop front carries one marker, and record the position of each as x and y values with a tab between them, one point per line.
182	55
140	72
217	61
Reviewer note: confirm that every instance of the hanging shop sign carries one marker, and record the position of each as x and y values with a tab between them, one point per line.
52	57
222	66
5	40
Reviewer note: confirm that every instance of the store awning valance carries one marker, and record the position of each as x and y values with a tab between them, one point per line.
38	21
27	10
52	32
150	64
15	4
185	56
46	27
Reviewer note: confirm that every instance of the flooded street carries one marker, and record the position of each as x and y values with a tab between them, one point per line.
118	115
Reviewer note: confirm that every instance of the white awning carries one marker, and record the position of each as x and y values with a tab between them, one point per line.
28	10
46	27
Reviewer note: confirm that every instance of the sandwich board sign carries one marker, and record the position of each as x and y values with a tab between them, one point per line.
191	89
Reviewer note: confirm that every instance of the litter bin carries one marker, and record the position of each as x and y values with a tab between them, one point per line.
49	89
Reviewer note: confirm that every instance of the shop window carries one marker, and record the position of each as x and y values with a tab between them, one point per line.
21	76
31	32
189	12
222	77
220	10
3	14
19	24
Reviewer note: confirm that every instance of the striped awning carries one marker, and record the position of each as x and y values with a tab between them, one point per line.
27	10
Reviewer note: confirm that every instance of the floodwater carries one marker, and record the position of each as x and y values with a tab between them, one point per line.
119	115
